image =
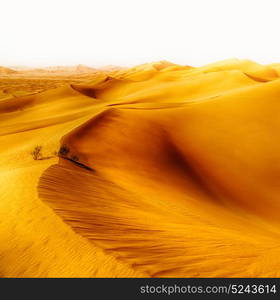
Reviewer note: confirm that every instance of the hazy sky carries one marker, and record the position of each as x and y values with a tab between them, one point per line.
128	32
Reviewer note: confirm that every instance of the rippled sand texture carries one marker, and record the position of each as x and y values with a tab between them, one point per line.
163	171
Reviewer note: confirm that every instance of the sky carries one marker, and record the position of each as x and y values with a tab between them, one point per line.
130	32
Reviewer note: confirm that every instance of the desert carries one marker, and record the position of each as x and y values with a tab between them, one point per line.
158	170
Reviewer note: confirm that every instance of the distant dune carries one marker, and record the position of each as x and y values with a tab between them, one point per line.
7	71
60	70
159	170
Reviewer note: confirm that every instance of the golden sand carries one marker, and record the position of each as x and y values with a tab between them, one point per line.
163	171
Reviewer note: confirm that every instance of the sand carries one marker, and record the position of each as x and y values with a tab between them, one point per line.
160	170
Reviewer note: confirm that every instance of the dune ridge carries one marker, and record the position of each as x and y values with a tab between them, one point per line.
162	171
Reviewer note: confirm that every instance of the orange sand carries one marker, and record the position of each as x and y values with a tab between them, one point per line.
163	170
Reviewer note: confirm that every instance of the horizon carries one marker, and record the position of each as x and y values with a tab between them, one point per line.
30	67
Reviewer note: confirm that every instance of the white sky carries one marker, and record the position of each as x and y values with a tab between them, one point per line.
128	32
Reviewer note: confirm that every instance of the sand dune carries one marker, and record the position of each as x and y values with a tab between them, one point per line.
60	70
7	71
162	171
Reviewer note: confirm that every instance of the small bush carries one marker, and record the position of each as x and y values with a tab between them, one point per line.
64	150
36	153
